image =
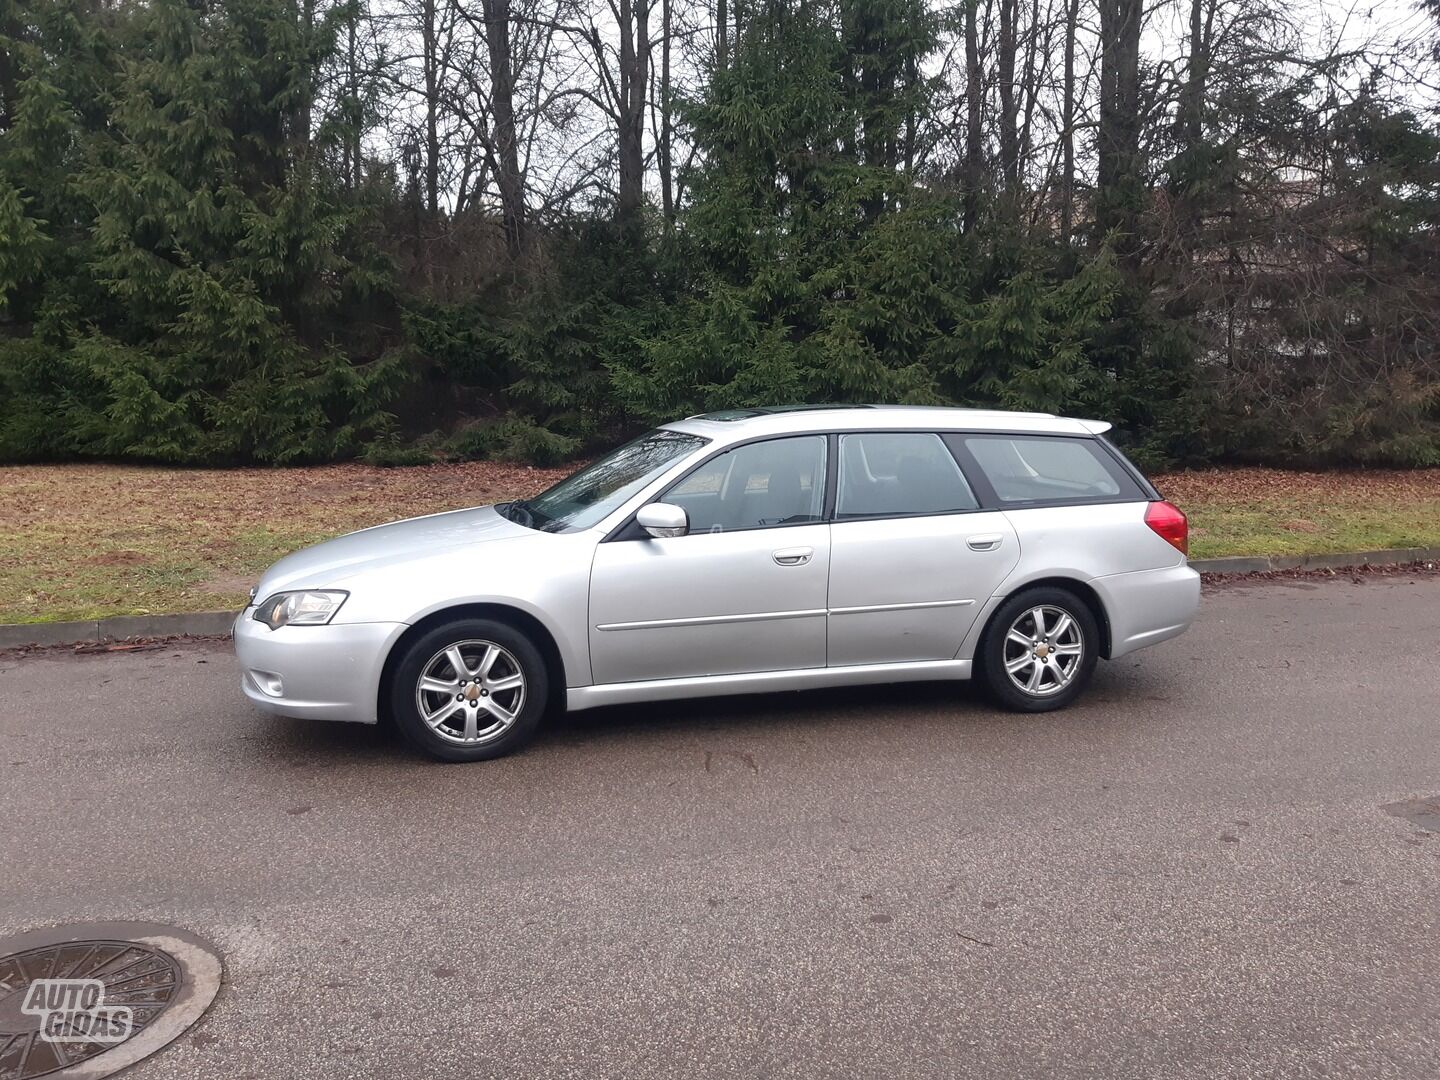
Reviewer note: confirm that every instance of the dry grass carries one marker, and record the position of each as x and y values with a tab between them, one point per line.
87	541
1279	512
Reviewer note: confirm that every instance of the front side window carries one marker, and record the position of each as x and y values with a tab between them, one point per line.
888	474
1038	469
587	497
756	486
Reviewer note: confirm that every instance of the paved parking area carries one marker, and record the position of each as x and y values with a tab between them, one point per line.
1190	874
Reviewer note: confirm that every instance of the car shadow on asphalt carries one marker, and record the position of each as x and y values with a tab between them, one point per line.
320	744
301	743
842	708
831	709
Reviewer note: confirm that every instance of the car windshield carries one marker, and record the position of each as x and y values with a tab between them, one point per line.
581	500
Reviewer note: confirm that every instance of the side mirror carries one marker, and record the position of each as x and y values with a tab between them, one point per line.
663	519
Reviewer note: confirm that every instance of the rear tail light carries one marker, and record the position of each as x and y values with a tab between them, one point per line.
1168	523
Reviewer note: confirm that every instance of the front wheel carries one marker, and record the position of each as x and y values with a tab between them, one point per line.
1040	650
469	690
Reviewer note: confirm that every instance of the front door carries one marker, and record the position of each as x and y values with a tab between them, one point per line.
912	559
743	591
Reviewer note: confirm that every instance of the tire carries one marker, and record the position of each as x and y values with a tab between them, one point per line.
1061	680
469	716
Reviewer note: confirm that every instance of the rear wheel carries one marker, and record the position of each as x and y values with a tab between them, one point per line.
1040	650
469	690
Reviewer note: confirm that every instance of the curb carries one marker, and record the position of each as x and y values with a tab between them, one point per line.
1258	564
191	624
212	623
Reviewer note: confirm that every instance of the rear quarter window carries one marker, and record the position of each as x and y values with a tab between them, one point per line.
1025	470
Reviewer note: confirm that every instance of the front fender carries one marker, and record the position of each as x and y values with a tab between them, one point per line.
548	580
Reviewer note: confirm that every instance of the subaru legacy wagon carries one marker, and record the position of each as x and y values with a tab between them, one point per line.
739	552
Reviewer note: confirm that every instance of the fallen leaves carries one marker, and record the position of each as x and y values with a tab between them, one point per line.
1256	486
86	541
1356	575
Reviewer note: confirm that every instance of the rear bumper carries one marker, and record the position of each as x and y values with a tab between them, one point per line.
1148	606
325	672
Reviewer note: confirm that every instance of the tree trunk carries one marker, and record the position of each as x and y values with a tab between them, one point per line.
1193	99
353	117
722	35
1067	126
912	78
502	110
1037	43
1009	111
634	76
1120	191
428	36
974	136
665	144
303	119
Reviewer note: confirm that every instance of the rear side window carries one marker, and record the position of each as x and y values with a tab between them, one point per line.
1035	469
887	474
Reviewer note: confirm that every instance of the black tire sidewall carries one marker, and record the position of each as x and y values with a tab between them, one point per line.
418	652
992	650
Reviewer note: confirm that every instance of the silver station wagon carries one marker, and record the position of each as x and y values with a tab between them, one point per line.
737	552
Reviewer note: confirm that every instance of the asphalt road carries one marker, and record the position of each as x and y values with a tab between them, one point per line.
1190	874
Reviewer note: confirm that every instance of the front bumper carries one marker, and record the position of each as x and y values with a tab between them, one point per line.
327	672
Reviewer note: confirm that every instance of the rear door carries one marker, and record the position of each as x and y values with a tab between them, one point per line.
913	558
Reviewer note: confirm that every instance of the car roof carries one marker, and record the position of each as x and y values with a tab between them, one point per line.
736	424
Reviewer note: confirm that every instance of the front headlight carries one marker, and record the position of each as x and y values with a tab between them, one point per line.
311	607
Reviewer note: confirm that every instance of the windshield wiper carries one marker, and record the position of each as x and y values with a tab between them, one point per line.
522	513
519	513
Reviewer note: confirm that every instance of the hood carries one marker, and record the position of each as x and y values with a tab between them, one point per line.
329	563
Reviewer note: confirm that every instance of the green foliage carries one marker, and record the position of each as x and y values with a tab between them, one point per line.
229	271
1350	376
388	451
514	438
1029	343
537	350
23	244
816	269
795	243
195	266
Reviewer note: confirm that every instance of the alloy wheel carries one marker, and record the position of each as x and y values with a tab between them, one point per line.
1044	648
471	692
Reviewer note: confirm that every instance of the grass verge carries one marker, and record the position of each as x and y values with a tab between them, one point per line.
1279	512
90	541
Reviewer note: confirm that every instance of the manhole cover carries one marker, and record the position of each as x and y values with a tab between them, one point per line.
1422	812
88	1000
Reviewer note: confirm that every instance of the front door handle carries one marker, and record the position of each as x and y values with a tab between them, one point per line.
988	542
793	556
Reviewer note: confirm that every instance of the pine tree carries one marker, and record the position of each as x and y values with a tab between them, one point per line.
802	215
231	265
59	72
817	266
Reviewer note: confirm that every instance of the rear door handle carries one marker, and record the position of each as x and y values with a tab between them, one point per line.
792	556
987	542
